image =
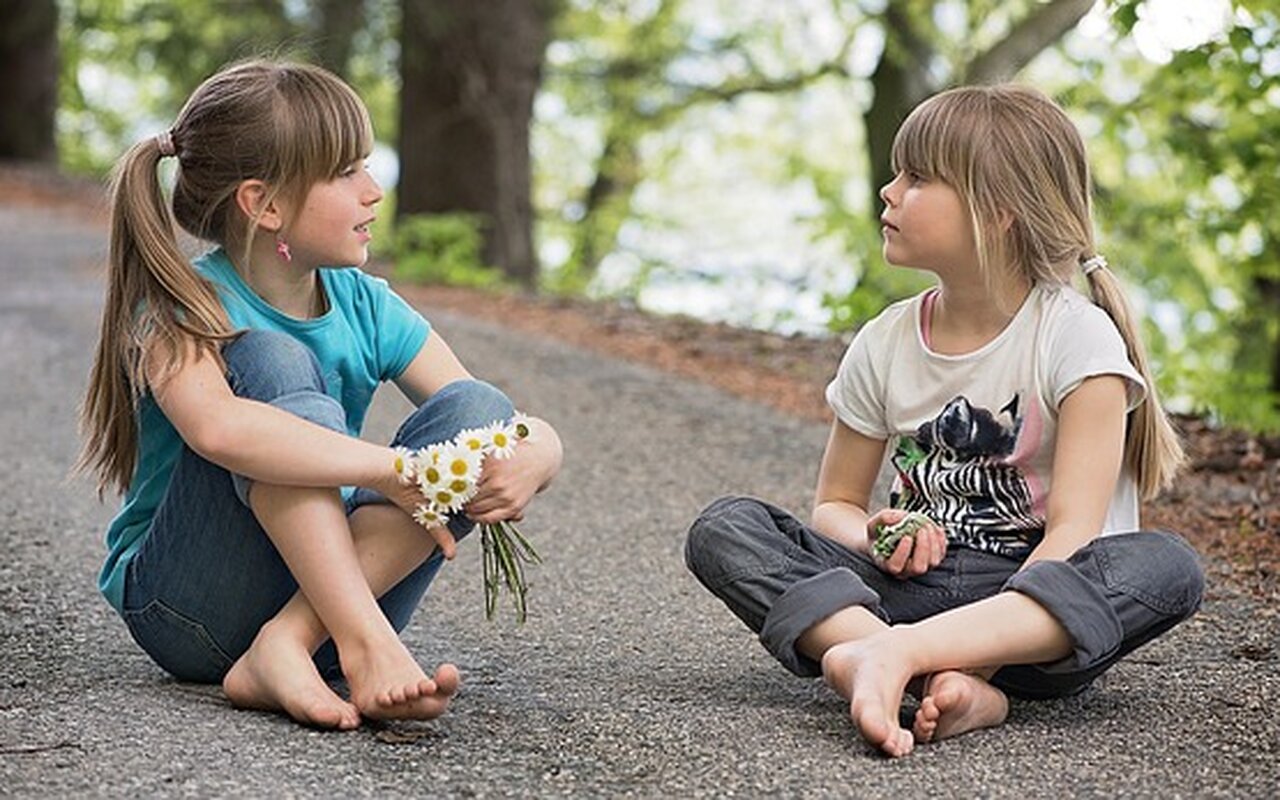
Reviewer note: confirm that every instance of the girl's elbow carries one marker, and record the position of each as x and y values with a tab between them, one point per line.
212	439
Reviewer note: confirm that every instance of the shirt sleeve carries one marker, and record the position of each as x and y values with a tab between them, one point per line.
400	330
857	393
1086	343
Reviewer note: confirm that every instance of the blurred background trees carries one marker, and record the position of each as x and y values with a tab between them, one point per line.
722	156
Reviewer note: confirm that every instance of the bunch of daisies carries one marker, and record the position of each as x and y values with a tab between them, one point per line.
448	475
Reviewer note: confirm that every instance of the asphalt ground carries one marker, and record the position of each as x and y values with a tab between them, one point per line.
627	680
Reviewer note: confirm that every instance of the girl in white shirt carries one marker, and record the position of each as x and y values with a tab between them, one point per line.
1019	417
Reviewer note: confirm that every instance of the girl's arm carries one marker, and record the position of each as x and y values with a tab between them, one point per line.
258	440
849	469
1086	465
506	485
434	367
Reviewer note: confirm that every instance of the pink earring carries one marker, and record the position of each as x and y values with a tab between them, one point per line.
282	248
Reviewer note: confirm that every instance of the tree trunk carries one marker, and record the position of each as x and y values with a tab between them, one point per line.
29	91
470	71
336	24
900	81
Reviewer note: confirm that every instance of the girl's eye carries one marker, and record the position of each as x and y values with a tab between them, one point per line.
915	177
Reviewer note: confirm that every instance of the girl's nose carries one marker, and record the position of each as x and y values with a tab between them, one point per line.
885	195
373	194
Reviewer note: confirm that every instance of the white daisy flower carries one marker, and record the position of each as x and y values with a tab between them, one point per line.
471	438
460	460
430	476
446	499
431	453
522	425
429	516
463	488
501	439
404	465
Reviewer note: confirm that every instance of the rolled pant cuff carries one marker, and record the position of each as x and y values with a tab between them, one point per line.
805	604
1078	605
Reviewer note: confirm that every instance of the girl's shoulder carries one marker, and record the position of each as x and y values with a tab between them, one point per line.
1066	313
899	318
355	286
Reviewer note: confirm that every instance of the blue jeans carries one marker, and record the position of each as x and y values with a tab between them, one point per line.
781	578
207	577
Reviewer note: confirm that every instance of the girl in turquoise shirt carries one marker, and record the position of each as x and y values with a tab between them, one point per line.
261	543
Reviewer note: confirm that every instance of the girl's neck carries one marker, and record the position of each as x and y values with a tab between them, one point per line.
967	315
294	291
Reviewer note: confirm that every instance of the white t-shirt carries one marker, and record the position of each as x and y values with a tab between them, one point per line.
970	438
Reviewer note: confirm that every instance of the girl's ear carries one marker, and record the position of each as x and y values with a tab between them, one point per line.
254	200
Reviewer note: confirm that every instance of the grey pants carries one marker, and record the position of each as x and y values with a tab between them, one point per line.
781	578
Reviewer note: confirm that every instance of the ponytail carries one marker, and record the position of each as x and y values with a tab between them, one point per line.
1153	451
288	125
154	299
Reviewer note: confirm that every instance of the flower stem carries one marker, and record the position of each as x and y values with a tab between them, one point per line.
505	552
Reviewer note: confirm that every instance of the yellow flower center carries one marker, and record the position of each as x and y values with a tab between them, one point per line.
433	474
458	486
444	498
458	466
500	440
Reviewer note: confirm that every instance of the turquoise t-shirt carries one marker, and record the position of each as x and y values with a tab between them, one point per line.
368	335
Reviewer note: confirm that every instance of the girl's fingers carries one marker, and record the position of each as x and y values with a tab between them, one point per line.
901	556
445	541
922	555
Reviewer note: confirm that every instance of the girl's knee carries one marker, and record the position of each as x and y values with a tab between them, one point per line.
264	365
1178	568
474	403
722	535
1160	567
455	407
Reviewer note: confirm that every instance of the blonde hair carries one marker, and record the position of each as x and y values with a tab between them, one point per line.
1019	165
288	125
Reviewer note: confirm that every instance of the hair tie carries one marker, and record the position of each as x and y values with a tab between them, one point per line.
164	141
1093	262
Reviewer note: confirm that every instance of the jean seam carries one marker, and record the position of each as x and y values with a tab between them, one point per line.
197	629
750	572
1160	604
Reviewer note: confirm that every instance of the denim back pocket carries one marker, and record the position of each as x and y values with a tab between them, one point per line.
180	645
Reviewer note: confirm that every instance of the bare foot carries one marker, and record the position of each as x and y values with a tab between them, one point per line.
956	703
277	674
872	677
387	683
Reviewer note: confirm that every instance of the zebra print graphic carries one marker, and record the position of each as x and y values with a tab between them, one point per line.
954	470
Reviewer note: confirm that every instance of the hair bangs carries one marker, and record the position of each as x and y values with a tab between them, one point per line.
938	138
325	129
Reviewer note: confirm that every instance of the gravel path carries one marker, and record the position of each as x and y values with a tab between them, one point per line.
628	678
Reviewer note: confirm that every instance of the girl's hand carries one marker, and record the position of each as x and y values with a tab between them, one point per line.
914	555
506	487
407	497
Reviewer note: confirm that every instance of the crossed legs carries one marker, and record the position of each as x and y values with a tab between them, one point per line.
820	608
341	569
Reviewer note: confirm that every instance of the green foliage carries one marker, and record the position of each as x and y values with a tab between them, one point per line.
1186	173
128	65
442	248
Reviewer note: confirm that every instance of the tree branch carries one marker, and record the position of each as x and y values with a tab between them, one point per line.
1029	37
